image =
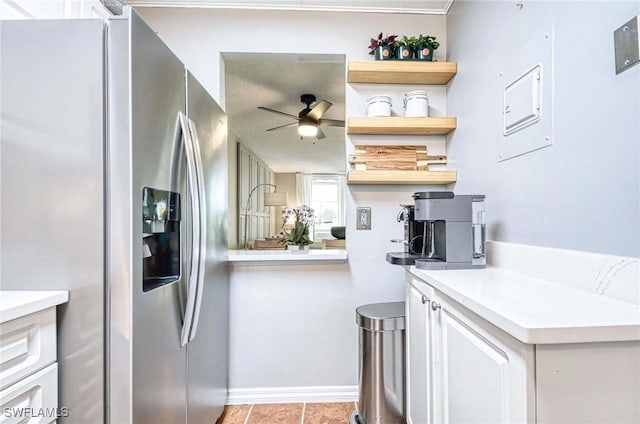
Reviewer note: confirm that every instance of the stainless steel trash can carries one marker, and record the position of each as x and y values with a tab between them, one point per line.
381	379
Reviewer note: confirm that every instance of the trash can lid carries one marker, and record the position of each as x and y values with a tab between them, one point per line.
381	316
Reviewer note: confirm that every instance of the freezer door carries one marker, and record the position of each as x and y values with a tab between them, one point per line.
157	98
209	345
52	196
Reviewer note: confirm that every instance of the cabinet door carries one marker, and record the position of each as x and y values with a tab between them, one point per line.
418	364
481	378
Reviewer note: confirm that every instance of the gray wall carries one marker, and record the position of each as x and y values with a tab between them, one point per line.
583	191
294	326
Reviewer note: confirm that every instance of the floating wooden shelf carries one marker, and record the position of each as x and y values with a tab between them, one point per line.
400	126
401	177
401	72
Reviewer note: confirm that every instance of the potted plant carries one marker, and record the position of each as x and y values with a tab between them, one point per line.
404	48
382	47
297	237
424	47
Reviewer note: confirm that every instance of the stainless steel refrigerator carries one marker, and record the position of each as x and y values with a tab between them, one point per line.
114	186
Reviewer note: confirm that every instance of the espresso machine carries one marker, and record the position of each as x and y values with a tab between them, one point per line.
442	231
413	234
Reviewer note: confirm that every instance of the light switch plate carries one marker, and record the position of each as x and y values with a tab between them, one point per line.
363	218
627	45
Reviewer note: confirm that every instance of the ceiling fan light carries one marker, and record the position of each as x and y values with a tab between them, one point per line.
307	130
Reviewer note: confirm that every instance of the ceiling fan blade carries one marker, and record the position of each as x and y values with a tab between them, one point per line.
319	110
330	123
293	124
320	134
288	115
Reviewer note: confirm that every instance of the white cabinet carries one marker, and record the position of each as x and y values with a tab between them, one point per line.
482	375
27	344
463	369
419	364
28	368
35	397
458	371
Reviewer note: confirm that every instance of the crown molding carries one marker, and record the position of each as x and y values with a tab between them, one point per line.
212	4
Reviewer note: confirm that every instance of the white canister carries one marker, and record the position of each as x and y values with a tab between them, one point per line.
379	105
416	103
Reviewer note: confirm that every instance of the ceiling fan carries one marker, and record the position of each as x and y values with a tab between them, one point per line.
308	120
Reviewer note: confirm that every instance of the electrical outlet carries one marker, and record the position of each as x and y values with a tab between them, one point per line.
363	218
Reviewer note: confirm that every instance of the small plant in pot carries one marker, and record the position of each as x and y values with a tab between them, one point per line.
404	48
382	47
424	47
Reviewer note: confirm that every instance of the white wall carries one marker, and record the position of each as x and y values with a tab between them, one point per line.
286	183
295	325
581	193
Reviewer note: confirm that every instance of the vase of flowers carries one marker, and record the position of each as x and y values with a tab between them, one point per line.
297	236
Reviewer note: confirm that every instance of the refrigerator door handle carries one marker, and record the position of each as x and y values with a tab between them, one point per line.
194	197
202	251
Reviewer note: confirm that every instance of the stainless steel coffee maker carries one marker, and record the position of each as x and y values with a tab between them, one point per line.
443	231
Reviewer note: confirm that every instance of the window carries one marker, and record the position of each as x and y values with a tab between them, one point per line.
327	200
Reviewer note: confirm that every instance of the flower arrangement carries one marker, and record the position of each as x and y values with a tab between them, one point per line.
299	234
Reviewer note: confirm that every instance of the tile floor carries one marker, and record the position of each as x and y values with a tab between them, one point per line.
288	413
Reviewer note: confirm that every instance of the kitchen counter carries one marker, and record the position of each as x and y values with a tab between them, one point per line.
284	257
534	310
16	304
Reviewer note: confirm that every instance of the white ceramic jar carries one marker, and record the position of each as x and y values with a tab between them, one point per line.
416	103
379	105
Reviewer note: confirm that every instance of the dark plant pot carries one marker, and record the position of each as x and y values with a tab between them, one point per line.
424	54
404	53
382	53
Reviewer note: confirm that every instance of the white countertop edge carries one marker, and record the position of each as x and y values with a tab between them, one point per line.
286	257
534	335
618	333
16	303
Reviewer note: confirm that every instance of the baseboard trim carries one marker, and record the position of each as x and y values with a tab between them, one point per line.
293	394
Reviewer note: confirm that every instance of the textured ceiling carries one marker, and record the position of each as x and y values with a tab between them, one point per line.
277	81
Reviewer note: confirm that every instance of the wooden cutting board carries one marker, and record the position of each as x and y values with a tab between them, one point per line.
409	158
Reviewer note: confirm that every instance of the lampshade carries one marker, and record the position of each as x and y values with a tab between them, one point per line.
307	130
276	199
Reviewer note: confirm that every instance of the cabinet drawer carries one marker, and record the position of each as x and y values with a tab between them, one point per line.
27	344
36	396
